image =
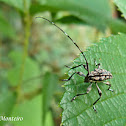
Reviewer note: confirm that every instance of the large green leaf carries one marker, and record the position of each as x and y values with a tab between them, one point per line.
96	12
30	111
88	10
111	108
122	6
80	5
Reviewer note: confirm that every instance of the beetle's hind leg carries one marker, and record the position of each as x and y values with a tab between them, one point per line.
100	94
107	83
88	90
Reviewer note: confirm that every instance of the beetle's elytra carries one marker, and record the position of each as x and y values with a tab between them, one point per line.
98	75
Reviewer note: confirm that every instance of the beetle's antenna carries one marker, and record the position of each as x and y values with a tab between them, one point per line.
68	37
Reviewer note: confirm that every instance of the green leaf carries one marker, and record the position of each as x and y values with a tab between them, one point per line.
95	6
88	11
49	119
30	111
7	101
70	19
111	108
49	86
31	71
96	13
122	6
36	8
17	3
5	28
117	26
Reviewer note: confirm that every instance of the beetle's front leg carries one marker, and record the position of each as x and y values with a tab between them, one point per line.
85	67
79	73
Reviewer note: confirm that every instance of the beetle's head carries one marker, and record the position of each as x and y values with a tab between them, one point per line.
86	79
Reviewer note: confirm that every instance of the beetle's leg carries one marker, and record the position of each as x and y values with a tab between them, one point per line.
107	83
100	94
78	66
88	90
79	73
67	66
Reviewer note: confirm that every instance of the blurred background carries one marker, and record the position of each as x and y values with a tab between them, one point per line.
33	53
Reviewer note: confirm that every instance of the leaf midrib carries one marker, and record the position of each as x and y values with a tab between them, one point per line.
75	116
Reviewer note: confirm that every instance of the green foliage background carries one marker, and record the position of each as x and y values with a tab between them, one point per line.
33	54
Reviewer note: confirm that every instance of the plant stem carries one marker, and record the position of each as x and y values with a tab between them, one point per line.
27	24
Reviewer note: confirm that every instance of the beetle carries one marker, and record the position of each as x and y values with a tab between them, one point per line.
98	75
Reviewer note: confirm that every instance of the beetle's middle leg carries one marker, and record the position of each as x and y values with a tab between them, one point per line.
100	94
88	90
107	83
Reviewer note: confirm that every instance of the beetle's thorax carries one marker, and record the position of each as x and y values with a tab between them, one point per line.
98	75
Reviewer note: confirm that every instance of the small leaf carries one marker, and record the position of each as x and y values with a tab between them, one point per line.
7	101
49	85
17	3
5	28
49	119
111	53
122	6
70	19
